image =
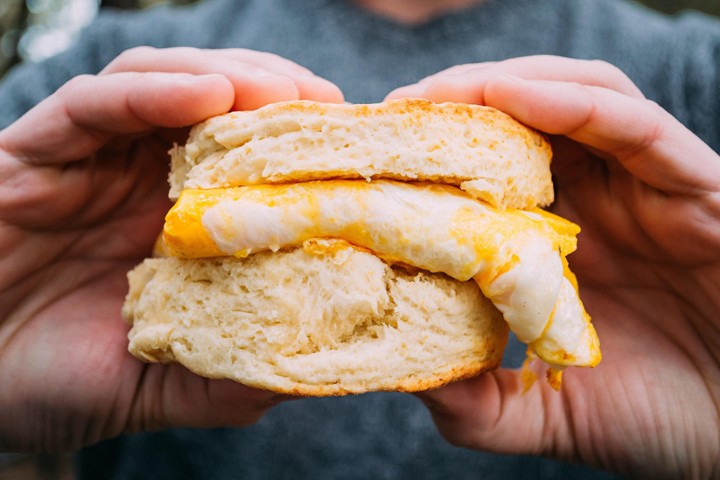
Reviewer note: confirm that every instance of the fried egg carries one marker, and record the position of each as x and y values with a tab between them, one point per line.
515	256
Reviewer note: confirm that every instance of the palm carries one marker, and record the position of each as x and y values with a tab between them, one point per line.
71	342
644	190
643	403
635	284
652	395
70	347
83	192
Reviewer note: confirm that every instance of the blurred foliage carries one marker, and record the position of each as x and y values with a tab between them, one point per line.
31	30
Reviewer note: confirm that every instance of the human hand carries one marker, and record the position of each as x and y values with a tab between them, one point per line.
646	192
82	199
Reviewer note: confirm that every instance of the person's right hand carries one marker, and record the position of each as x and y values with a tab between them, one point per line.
83	193
646	192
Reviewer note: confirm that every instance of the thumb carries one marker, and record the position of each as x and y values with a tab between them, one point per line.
89	110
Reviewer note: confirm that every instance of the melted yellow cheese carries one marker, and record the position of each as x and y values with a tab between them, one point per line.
437	228
516	257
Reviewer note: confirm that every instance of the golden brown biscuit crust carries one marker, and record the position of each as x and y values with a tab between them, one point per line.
312	322
480	149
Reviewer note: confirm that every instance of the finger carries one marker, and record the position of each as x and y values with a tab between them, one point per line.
309	85
458	70
465	83
89	110
645	139
455	84
253	86
180	58
259	78
172	396
266	60
489	411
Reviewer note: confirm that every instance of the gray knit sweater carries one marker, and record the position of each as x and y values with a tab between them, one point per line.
675	61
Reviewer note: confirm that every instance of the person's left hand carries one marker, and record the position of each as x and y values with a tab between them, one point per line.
646	192
83	192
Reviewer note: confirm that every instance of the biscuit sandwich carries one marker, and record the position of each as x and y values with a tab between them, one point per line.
326	249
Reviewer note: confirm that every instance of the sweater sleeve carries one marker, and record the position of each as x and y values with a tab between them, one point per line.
700	74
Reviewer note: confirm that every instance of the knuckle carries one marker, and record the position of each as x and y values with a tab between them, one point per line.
457	69
618	79
139	50
129	57
76	84
183	51
654	107
280	60
604	65
273	57
653	130
659	117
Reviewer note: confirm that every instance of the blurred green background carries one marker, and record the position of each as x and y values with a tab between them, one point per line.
31	30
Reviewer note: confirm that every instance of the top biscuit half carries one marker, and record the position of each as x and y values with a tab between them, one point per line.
481	150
